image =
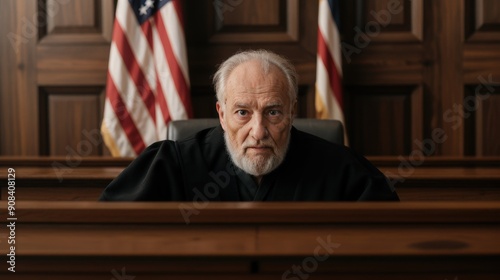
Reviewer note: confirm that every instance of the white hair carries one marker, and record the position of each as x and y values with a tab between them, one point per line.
266	58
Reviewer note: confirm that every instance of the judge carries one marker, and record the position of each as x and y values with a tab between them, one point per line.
255	154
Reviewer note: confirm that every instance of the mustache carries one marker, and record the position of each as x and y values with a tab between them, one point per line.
260	144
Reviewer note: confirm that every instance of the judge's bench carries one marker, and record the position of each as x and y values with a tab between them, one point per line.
215	240
446	227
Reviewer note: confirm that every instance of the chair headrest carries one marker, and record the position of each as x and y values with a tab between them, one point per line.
330	130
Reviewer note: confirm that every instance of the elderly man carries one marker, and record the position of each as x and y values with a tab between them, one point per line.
255	154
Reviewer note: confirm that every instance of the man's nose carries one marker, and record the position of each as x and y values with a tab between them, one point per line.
259	127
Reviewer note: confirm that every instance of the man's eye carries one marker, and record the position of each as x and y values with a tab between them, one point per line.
274	112
242	112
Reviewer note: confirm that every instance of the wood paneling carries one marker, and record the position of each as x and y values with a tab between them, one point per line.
432	52
254	21
73	65
209	46
248	13
481	63
487	129
443	75
18	91
392	21
384	120
79	111
482	75
77	16
71	118
75	21
482	22
74	42
72	61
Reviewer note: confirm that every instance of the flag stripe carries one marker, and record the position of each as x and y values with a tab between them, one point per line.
330	32
328	108
134	69
148	78
124	117
133	102
175	70
330	67
168	93
174	30
138	40
178	12
148	33
329	94
165	113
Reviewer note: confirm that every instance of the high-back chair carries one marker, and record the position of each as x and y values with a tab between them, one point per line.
330	130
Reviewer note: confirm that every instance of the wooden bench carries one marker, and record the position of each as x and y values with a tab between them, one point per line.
92	240
435	179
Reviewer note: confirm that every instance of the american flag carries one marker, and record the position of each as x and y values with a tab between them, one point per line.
148	81
329	103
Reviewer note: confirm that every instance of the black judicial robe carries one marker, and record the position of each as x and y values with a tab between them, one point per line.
200	169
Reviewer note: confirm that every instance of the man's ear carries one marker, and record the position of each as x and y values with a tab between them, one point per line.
221	112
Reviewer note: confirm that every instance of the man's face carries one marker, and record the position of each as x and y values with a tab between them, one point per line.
256	116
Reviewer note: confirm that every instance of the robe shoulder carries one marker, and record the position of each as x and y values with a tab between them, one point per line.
148	177
159	172
342	173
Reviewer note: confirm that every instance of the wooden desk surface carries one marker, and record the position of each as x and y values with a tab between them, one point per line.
257	240
421	173
255	212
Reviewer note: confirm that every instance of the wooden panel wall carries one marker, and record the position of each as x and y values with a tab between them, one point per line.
56	99
411	69
481	77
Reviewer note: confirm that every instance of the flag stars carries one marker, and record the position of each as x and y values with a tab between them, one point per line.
147	5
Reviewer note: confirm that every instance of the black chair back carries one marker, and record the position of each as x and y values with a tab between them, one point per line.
330	130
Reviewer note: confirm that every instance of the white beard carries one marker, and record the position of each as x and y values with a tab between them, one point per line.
261	165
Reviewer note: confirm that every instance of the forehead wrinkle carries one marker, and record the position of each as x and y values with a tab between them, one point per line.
250	87
255	89
252	74
241	105
248	102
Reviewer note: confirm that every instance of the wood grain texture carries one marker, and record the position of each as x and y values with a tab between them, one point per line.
482	21
257	212
259	240
73	65
18	91
79	111
76	14
379	120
